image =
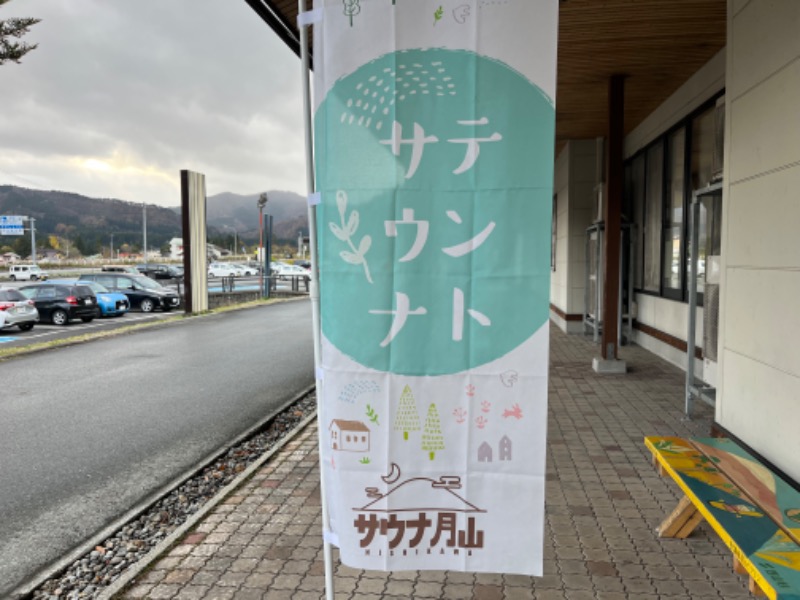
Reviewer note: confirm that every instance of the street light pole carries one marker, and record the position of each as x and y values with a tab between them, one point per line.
112	247
262	202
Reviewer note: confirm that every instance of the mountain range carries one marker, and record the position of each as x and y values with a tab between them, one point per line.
72	216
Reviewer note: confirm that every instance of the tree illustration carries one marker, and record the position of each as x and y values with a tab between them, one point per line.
351	8
432	438
407	416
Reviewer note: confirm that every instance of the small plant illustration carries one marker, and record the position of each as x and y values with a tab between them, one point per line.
365	460
460	415
373	416
515	411
437	16
346	231
351	9
481	422
470	390
485	406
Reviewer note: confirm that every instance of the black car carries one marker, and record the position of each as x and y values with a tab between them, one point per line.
143	292
161	271
61	303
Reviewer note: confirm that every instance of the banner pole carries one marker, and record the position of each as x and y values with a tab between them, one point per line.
314	289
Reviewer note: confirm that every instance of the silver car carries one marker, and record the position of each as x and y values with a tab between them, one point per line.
17	310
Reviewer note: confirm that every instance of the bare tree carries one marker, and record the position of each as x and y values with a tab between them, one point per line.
10	31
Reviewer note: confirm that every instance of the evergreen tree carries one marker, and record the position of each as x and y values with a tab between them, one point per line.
11	30
432	438
407	416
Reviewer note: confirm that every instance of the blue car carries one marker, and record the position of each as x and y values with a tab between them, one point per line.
110	304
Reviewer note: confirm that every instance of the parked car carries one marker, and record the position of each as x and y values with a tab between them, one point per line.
17	310
131	270
60	303
142	292
160	271
111	304
26	273
224	270
284	271
246	270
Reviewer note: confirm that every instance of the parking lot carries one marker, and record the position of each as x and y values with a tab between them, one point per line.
45	331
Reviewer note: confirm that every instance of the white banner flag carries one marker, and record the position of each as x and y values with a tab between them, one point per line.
434	135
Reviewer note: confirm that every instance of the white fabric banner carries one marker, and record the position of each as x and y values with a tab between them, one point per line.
434	138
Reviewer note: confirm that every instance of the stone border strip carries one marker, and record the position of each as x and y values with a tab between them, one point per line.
134	571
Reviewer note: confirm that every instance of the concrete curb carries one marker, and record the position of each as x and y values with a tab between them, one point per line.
130	574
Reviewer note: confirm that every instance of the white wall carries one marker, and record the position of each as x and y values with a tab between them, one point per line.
574	185
558	278
759	393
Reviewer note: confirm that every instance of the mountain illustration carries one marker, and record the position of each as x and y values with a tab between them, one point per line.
422	494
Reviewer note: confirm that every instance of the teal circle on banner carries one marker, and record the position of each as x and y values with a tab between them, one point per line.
435	169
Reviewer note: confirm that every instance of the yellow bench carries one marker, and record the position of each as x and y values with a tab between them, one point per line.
755	512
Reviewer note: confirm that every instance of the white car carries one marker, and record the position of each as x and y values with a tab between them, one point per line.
224	270
26	273
284	271
246	271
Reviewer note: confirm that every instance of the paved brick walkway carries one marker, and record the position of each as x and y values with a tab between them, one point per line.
604	501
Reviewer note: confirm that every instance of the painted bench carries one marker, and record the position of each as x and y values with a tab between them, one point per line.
755	512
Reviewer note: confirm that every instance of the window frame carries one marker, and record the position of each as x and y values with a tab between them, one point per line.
682	294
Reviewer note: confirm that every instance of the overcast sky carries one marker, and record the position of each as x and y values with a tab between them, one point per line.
120	95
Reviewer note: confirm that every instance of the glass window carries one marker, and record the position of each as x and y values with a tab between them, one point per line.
636	199
653	214
709	239
703	149
672	269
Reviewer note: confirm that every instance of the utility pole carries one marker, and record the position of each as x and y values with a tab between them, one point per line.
33	240
112	246
144	232
262	202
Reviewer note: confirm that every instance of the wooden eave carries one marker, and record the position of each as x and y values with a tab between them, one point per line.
656	44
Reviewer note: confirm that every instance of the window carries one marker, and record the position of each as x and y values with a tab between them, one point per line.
673	238
703	149
635	176
659	182
654	189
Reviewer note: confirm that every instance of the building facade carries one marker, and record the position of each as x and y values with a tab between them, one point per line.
711	111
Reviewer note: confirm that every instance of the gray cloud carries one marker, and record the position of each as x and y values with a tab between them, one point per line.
148	88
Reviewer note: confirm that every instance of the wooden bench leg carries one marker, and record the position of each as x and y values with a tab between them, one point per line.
658	466
754	588
681	522
738	567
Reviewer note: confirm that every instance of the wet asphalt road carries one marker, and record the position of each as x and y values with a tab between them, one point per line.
88	431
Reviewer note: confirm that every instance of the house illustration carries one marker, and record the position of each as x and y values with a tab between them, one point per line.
504	448
485	452
349	436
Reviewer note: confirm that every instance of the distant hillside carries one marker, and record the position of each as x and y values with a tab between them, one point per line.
289	214
92	220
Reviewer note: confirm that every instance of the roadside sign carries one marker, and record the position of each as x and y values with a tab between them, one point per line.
11	225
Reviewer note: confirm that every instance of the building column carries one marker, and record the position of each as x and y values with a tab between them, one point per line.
612	216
